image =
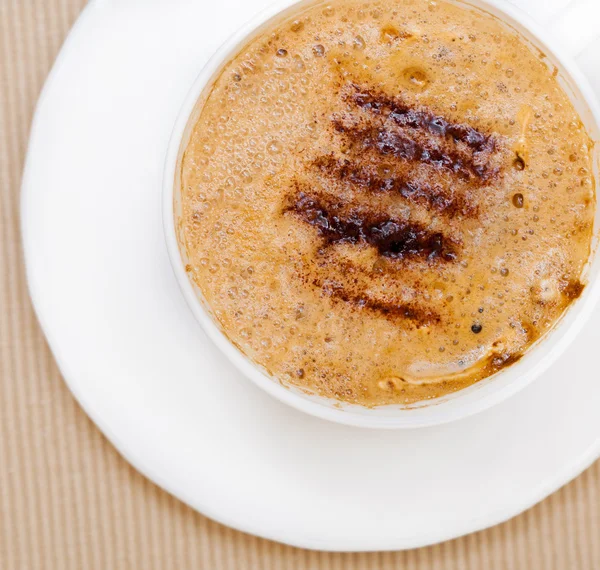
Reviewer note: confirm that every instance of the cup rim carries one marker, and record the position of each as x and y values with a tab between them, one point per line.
460	404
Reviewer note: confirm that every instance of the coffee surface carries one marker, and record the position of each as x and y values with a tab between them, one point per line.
387	201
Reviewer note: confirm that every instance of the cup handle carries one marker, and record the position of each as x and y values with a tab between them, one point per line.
577	25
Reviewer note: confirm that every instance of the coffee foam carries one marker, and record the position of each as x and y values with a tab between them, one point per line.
385	202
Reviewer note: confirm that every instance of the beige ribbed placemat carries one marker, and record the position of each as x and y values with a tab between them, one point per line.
68	500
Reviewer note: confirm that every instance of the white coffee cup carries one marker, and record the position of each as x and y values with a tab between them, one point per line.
481	395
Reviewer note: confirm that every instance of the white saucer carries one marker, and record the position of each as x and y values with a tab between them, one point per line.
142	368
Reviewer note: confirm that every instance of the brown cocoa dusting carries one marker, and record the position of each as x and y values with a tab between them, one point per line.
392	310
473	148
434	196
408	116
391	237
388	142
